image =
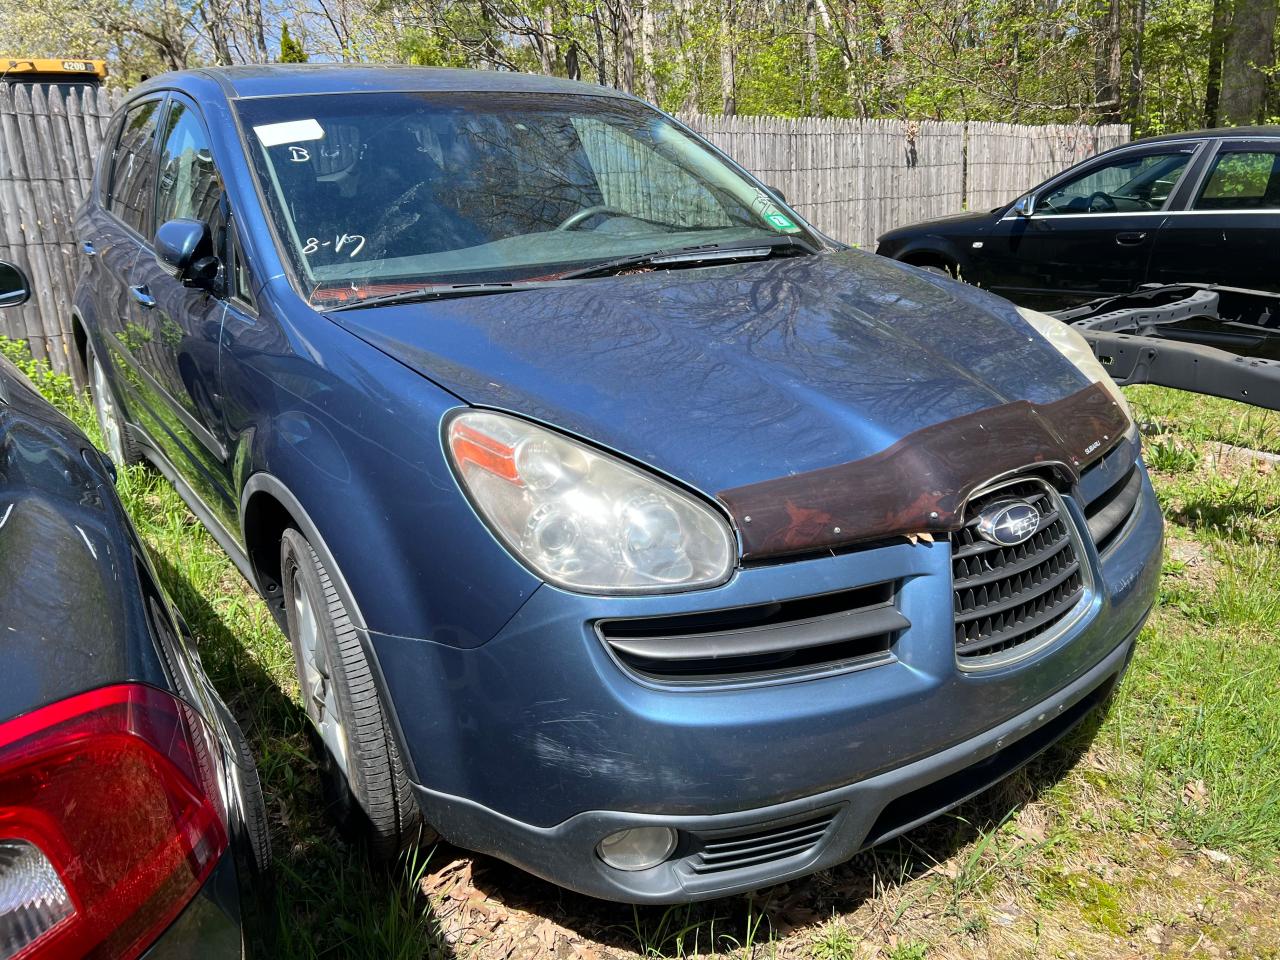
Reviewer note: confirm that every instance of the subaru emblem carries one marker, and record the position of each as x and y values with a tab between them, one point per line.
1007	523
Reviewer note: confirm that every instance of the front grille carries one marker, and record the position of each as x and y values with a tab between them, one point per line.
1108	513
748	849
1008	597
832	631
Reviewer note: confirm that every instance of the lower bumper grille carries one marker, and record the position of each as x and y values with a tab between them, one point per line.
1008	596
834	631
762	846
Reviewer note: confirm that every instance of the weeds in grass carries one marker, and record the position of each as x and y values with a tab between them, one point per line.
1165	453
913	950
834	942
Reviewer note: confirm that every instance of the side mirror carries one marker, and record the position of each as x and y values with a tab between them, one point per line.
184	249
15	288
1025	205
778	193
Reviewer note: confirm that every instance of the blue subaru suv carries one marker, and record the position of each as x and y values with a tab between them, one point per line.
624	526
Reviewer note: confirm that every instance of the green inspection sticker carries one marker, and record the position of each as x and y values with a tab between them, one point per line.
781	222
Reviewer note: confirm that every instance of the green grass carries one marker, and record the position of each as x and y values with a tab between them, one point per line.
1069	855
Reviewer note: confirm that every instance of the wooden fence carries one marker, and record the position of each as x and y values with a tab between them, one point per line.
48	143
854	179
1004	159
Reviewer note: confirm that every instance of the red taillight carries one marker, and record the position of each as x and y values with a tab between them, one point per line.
111	818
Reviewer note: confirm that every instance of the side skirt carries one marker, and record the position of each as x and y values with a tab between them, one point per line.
197	506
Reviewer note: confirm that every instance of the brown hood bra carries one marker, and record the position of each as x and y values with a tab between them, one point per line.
921	483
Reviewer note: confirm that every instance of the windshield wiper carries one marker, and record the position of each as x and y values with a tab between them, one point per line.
708	253
436	291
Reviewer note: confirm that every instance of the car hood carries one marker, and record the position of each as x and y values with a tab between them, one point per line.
731	375
966	223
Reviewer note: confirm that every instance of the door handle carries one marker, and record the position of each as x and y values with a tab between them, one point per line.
87	247
1131	239
142	295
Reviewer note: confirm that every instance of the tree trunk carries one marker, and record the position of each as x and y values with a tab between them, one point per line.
601	77
1248	55
1107	65
811	56
728	58
647	46
545	43
1213	75
1136	67
626	38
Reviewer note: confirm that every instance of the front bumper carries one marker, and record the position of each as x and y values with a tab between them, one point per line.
535	745
850	818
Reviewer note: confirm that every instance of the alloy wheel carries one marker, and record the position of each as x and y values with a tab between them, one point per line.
318	686
108	418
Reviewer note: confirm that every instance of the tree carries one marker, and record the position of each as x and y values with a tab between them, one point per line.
290	49
1248	58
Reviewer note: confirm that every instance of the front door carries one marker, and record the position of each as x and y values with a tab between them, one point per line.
114	230
178	327
1091	233
1228	235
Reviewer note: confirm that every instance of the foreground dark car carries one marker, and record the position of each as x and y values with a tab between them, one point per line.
623	526
1199	207
131	820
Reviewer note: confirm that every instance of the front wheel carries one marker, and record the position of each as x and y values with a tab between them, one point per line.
365	785
115	434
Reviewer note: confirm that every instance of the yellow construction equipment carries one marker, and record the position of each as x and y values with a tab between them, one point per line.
62	73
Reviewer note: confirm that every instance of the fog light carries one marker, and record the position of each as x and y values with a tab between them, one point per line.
638	848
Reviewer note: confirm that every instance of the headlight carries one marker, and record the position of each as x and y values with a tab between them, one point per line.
1076	349
581	518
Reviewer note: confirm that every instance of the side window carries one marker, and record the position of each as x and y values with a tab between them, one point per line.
189	187
1131	184
132	167
1242	181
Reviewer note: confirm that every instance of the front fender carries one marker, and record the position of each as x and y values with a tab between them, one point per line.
934	246
348	442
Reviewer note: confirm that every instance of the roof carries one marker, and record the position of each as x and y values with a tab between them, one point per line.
293	79
1272	131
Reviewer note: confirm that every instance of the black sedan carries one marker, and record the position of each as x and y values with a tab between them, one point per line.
1183	208
131	818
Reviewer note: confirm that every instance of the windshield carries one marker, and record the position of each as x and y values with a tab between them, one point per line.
379	193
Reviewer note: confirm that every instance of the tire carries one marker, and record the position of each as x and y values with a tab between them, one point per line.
258	881
257	828
365	785
120	446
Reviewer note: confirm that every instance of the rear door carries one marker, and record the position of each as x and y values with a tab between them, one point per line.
1230	233
178	327
1092	232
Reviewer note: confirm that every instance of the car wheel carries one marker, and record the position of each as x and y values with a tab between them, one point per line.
366	788
115	434
257	828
